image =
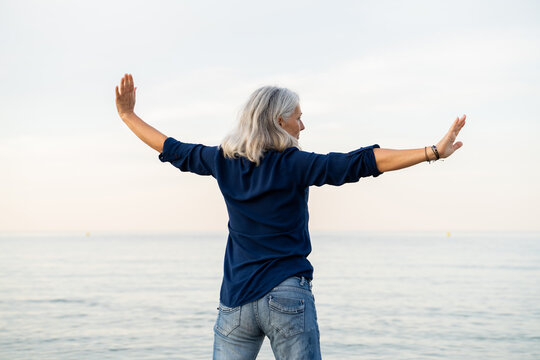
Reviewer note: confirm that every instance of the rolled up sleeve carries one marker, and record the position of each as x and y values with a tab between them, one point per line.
195	158
336	168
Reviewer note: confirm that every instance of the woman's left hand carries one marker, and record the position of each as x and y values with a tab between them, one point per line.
447	146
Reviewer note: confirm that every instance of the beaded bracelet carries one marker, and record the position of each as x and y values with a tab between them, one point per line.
436	152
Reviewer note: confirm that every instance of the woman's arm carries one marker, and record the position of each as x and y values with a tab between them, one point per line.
388	160
125	104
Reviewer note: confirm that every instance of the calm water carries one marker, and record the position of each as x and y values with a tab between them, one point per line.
393	296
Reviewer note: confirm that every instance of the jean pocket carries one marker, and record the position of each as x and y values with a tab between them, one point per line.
228	319
287	315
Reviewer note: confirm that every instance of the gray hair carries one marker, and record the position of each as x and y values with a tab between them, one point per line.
258	128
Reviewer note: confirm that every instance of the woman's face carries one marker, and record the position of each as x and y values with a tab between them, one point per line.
293	125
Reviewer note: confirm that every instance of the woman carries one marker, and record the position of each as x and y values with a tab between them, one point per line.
264	179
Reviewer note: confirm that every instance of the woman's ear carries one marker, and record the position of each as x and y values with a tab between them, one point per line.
280	121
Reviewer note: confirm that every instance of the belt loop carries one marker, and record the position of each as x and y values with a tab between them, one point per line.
302	281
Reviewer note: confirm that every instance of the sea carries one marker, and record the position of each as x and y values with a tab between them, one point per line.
425	295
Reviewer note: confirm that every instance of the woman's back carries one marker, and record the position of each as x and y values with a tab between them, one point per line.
267	204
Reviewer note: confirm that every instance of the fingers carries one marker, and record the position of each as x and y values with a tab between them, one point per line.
126	84
460	124
453	126
457	125
126	87
122	85
129	82
461	121
457	146
454	132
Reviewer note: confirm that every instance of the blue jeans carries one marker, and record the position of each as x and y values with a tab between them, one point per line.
286	315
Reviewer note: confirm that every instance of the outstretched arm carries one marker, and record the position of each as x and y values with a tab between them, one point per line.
388	160
125	104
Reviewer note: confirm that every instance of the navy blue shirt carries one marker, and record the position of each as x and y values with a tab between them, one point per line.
267	204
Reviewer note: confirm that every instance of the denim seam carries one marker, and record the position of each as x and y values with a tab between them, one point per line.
217	333
256	312
286	287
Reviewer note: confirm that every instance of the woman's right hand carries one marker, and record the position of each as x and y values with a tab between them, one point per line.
125	96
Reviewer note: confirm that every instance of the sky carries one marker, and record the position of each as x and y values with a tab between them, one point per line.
395	73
